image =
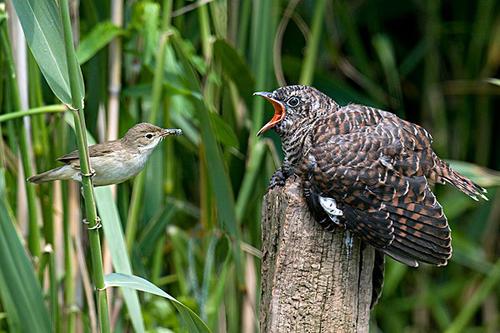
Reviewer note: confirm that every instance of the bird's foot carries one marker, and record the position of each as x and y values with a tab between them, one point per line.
97	225
91	174
277	179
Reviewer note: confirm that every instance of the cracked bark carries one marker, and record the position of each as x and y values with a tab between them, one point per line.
309	281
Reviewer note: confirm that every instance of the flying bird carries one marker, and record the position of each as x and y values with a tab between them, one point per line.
112	162
368	171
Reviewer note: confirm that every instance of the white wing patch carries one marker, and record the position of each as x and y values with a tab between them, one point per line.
330	207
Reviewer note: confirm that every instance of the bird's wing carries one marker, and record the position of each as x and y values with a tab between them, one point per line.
73	158
384	201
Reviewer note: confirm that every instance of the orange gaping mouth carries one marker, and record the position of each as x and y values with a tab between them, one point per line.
279	111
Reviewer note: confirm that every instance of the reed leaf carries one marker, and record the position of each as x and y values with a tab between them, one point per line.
42	27
20	292
191	321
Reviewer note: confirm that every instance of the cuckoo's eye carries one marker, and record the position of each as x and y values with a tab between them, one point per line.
293	101
149	136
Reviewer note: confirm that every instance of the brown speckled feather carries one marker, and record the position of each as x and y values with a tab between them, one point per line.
376	168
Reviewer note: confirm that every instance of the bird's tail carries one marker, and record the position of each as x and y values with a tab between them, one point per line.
50	175
445	174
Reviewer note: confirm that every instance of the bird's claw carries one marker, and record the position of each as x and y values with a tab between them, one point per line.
277	179
91	174
97	225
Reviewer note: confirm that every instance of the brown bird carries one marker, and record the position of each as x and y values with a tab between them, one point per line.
368	171
114	161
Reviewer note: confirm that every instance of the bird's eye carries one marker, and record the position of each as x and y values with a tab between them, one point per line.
149	136
293	101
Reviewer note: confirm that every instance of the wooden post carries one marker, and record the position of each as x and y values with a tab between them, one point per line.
310	283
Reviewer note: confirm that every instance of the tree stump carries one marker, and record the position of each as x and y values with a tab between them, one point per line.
311	281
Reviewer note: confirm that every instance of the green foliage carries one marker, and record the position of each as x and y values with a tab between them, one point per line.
192	219
21	295
44	34
192	322
94	41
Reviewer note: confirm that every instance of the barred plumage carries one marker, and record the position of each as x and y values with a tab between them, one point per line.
377	167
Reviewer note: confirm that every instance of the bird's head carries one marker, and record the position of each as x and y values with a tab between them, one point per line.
292	104
145	136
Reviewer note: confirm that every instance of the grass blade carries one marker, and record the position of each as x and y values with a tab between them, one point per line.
307	73
191	320
20	292
116	242
94	41
460	322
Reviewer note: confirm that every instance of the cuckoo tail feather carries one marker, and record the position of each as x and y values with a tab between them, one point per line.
377	277
464	184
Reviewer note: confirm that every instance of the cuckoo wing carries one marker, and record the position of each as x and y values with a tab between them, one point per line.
387	204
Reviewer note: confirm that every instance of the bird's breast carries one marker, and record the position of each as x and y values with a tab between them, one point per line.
296	143
117	167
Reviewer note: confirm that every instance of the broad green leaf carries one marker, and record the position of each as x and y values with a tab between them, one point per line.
493	81
219	180
224	133
216	296
385	52
234	67
20	293
220	183
151	31
114	237
145	18
154	229
190	319
95	40
43	31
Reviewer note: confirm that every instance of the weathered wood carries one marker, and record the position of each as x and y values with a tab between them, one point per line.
310	283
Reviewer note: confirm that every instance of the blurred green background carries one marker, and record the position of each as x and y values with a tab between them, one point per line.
192	220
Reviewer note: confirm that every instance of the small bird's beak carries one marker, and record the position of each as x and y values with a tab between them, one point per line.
170	131
279	111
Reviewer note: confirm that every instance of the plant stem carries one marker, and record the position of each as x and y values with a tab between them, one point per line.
260	47
248	185
69	285
34	232
42	147
33	111
204	32
88	189
115	71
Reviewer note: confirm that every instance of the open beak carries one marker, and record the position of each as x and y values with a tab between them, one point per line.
170	131
279	111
